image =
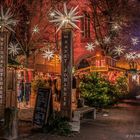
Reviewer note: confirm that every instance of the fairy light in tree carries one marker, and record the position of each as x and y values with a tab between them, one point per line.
7	20
119	50
107	40
90	47
69	17
13	49
35	29
49	54
135	41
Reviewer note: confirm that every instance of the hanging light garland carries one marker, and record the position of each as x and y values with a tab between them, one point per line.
67	18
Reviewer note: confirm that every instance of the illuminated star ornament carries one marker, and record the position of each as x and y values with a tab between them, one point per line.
107	40
131	56
135	41
7	20
35	30
13	49
116	27
119	50
90	47
97	42
48	54
69	17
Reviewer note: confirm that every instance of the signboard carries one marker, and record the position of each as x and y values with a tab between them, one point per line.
98	69
66	68
42	106
3	67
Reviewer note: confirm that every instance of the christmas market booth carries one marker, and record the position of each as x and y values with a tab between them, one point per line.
105	65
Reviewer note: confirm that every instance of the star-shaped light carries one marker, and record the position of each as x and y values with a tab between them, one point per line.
131	56
107	40
116	27
13	49
7	20
97	42
49	54
119	50
67	18
138	55
135	41
90	47
35	29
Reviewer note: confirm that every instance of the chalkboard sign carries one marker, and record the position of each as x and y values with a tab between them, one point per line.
42	106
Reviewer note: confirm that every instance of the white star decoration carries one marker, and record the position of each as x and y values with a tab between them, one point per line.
135	41
13	49
90	47
107	40
119	50
116	27
48	54
131	56
66	18
35	29
97	42
7	20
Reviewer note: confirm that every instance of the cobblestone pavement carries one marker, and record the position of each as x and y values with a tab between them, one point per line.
122	123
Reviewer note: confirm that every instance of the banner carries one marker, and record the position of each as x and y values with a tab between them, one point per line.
66	71
3	67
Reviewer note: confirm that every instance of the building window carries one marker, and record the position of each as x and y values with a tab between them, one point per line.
85	25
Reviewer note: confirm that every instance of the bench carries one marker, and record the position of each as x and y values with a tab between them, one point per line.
87	111
79	114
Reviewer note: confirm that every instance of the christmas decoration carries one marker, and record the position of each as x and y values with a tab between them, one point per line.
14	49
48	54
131	56
135	41
107	40
7	20
119	50
116	27
35	30
90	46
68	17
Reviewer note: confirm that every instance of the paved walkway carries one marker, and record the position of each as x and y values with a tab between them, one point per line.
122	123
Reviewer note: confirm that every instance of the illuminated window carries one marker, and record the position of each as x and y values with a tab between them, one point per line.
85	25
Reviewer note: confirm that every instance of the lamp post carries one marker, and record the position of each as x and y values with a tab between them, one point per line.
66	21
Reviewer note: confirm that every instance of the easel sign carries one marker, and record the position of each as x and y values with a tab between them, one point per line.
41	111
